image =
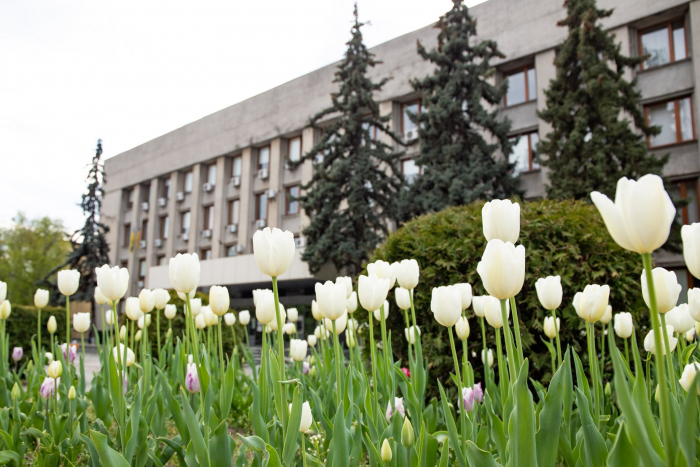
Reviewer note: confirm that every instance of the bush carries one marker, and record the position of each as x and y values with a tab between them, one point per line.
566	238
21	327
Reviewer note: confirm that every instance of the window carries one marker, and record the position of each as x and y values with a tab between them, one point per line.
185	222
129	198
189	181
205	254
294	149
145	193
164	227
663	44
166	189
675	118
127	235
261	206
264	158
236	166
144	229
371	128
292	199
521	87
161	260
234	207
687	190
142	268
211	174
231	250
412	108
208	218
524	153
686	281
409	170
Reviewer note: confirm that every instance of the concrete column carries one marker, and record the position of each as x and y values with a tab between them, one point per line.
247	210
220	206
195	208
276	170
387	108
308	139
172	215
544	71
152	220
133	262
112	202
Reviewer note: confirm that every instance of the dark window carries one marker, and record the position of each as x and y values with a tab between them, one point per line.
164	226
264	158
206	254
294	149
166	188
129	198
675	117
291	197
234	206
189	181
524	153
127	235
236	166
208	218
522	86
185	222
142	268
144	229
687	190
261	206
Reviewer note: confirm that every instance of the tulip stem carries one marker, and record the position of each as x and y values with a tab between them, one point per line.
554	316
593	363
627	353
82	364
303	448
372	351
340	392
67	325
280	354
516	326
38	334
510	351
554	364
388	358
460	398
664	401
502	372
221	353
669	356
485	356
158	331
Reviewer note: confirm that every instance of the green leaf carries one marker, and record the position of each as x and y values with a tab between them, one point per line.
595	450
452	428
478	457
175	410
521	427
226	392
550	418
623	453
445	454
108	456
253	442
193	426
274	460
290	441
689	423
220	446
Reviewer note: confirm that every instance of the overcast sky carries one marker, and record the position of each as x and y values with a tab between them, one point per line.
129	71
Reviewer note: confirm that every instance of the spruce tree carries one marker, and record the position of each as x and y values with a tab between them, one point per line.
589	106
352	195
458	164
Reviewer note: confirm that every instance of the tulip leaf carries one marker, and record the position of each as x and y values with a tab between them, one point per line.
521	427
641	402
685	356
583	381
226	392
688	425
476	456
174	445
200	446
623	453
445	454
595	450
132	427
253	442
290	441
274	460
175	410
374	455
256	417
108	456
220	446
339	443
550	419
452	428
498	432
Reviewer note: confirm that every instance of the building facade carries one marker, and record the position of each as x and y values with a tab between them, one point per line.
208	186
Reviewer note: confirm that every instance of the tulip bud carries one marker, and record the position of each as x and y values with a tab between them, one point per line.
14	395
347	282
407	274
17	354
478	304
316	311
68	281
298	349
265	307
446	305
689	336
502	269
623	325
122	332
306	418
403	299
398	408
607	316
331	299
549	329
133	309
410	334
501	220
195	306
118	354
650	343
465	291
141	322
219	300
184	271
666	287
273	250
184	296
48	387
311	339
170	311
592	303
608	390
408	436
462	328
81	322
50	326
549	292
5	309
71	393
113	282
192	379
147	300
386	451
169	333
468	399
200	322
161	298
340	324
383	270
688	376
229	319
109	317
55	369
49	358
384	310
351	304
72	353
679	317
30	366
305	367
41	298
489	356
478	393
492	311
640	218
244	317
137	337
350	340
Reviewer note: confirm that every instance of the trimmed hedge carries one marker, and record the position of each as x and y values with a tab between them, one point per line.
21	327
566	238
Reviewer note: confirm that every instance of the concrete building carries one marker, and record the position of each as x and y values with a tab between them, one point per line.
208	186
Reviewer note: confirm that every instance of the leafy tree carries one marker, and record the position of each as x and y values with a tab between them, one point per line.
353	192
457	162
591	108
29	250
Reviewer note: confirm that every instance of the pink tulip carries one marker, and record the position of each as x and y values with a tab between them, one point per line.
468	399
48	387
17	354
192	379
398	405
305	368
73	353
478	393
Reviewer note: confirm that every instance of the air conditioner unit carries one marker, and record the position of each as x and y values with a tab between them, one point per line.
180	196
158	242
240	248
140	284
142	244
271	193
263	174
236	181
208	187
411	134
162	202
185	236
300	242
206	233
261	223
144	206
232	228
290	165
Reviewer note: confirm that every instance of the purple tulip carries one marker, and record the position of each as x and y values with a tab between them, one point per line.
73	354
125	383
47	387
305	367
17	354
478	393
192	379
398	405
468	399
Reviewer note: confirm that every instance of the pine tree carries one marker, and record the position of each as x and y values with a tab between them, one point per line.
458	164
589	105
352	195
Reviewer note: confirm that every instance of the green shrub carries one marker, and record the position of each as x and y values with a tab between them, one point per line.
561	238
21	327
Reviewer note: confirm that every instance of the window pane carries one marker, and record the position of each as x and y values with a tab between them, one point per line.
686	119
295	149
664	116
166	189
410	170
208	218
164	223
236	168
412	108
142	268
292	202
679	51
264	158
144	229
189	177
231	250
516	88
520	156
682	275
162	261
531	84
655	44
262	206
186	222
211	174
534	139
233	211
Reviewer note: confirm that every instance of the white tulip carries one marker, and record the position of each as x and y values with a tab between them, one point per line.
592	303
386	452
465	291
81	322
492	311
100	297
667	289
219	300
372	291
306	418
549	329
462	328
650	343
690	234
147	300
268	304
403	299
229	319
113	282
289	329
347	282
273	250
350	340
311	339
118	354
489	353
184	271
385	310
607	316
209	317
55	369
316	311
41	298
141	322
50	326
183	296
680	319
383	270
694	303
331	299
446	305
68	281
265	306
6	309
352	324
133	309
689	373
549	292
195	306
49	358
502	269
340	324
624	327
244	317
501	220
162	297
690	335
137	337
170	311
640	218
478	304
109	315
292	315
408	273
122	332
297	349
410	334
3	291
200	322
351	304
257	293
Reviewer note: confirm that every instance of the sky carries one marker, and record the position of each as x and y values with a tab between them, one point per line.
129	71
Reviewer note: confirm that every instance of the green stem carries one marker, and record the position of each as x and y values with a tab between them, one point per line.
554	315
303	449
375	383
462	411
516	325
67	323
280	355
553	353
82	364
510	351
387	358
158	331
38	333
487	370
503	382
673	377
627	353
593	363
221	349
340	392
602	353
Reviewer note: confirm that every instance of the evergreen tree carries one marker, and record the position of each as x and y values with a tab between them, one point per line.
589	106
458	164
352	195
